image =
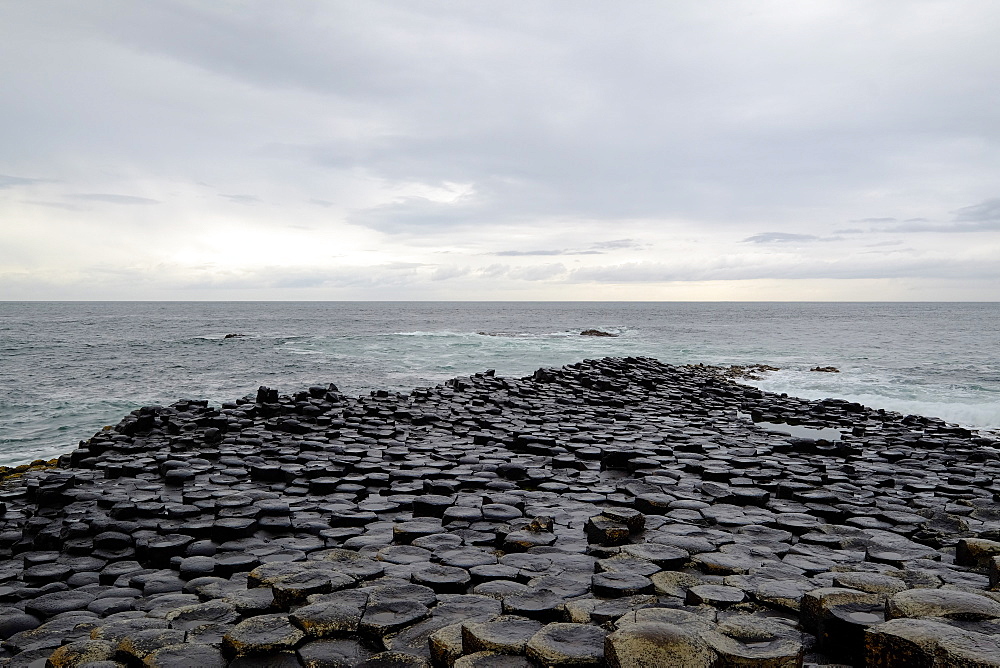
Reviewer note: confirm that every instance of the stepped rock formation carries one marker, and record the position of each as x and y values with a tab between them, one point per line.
615	512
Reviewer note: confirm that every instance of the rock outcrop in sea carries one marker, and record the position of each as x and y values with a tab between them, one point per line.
617	512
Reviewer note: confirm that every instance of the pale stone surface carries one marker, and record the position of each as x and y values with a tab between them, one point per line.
947	603
647	644
567	644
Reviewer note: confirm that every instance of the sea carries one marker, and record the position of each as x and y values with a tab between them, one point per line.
67	369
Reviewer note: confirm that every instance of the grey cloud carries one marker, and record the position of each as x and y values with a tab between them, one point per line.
884	251
570	133
110	198
984	216
923	226
632	272
875	220
530	273
617	244
7	181
779	237
986	212
743	269
539	273
383	275
849	230
946	228
241	199
414	215
296	46
597	248
372	279
494	270
445	273
517	253
321	202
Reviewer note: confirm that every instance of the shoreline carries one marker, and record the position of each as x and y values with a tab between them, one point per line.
612	506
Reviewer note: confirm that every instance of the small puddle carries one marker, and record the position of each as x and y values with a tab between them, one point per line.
799	430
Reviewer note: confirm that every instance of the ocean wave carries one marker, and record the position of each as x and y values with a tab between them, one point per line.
617	331
984	415
437	334
301	351
967	405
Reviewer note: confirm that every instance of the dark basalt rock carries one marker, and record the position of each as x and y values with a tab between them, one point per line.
508	634
492	660
331	615
657	644
617	584
442	579
135	647
390	616
541	604
605	530
618	496
333	653
720	596
563	644
186	654
50	605
394	660
83	652
261	635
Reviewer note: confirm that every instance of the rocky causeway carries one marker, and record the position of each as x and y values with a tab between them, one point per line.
618	512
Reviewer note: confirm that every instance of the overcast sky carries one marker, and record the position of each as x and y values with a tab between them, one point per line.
499	149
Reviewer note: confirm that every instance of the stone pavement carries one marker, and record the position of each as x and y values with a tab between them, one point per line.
615	512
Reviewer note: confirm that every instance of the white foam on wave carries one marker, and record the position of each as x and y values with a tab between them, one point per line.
966	406
442	333
489	334
975	415
301	351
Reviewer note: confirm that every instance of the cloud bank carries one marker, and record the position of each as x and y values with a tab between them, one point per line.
518	150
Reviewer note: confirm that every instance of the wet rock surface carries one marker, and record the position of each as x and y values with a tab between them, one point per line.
615	512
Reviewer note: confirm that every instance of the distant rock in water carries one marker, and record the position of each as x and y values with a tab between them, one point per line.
826	369
595	332
234	336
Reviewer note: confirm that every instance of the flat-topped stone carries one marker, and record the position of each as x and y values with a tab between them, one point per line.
506	634
262	634
657	644
946	603
563	644
319	529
